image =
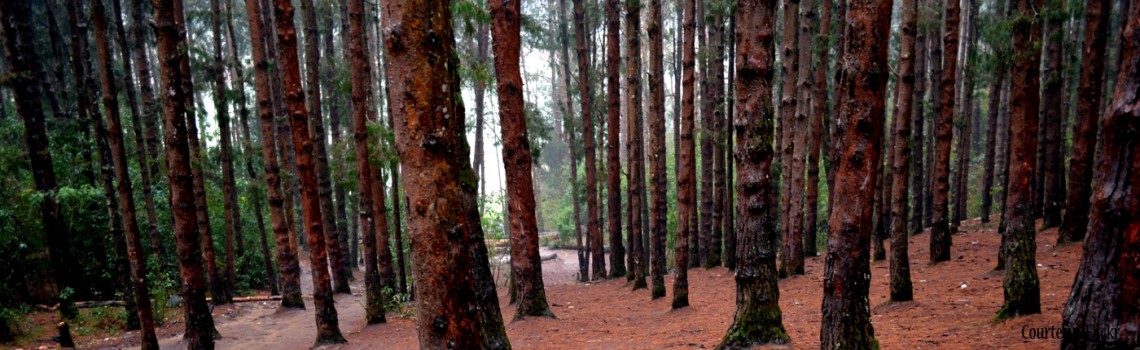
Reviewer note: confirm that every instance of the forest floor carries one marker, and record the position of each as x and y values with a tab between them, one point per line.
954	305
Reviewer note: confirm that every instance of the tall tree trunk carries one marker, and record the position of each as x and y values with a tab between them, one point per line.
316	127
593	231
704	199
757	319
526	265
802	127
918	122
24	62
374	298
1053	93
336	123
583	260
172	51
934	90
966	127
480	91
634	147
791	241
236	71
450	258
818	114
229	184
657	172
1104	309
136	117
846	309
716	98
686	165
122	176
328	331
1075	223
1022	293
286	254
993	136
613	138
730	255
148	114
218	287
901	288
940	239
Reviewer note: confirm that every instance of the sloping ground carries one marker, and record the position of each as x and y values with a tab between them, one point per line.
954	306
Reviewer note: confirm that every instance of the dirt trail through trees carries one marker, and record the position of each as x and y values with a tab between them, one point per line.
954	308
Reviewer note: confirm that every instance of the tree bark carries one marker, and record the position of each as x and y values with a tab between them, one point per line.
993	136
286	255
791	241
172	51
526	265
1103	310
232	213
686	165
456	302
361	113
613	138
635	146
918	122
1075	223
336	122
901	288
126	202
716	95
730	255
593	231
818	114
316	127
965	124
940	239
1052	116
583	259
328	331
24	62
846	308
757	319
1022	293
657	172
704	200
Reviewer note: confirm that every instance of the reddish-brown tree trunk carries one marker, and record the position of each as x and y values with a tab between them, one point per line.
1022	293
122	176
526	265
593	231
149	111
316	126
918	121
1104	308
993	135
635	147
286	255
328	331
613	138
232	213
657	172
172	53
1075	223
900	284
686	154
940	239
449	256
1052	115
361	100
791	241
818	114
700	245
757	319
846	308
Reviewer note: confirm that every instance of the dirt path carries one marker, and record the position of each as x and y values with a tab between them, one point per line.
954	307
